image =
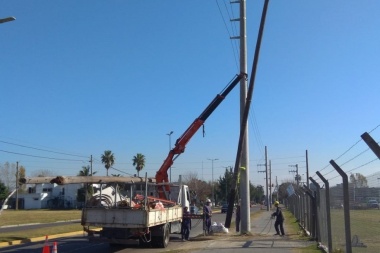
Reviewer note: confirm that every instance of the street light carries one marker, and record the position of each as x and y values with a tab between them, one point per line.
170	147
212	176
8	19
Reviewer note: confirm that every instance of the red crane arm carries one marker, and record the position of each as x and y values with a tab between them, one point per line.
180	145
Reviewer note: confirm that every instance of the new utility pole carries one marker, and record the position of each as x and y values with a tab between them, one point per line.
245	212
241	161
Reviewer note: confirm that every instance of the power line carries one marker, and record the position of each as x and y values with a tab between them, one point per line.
44	157
234	49
61	153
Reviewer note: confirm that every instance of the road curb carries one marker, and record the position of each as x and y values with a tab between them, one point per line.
41	238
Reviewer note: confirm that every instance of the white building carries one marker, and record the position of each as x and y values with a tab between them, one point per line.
50	196
373	180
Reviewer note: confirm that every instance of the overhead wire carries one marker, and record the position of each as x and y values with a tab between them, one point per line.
257	133
351	159
44	157
45	150
234	51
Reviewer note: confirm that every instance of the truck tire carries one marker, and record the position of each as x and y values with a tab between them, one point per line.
162	241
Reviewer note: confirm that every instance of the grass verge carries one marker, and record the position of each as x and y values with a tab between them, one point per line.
13	217
19	217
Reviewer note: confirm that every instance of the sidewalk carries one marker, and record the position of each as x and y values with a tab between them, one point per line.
262	240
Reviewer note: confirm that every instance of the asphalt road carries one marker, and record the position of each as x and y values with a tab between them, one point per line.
263	240
80	244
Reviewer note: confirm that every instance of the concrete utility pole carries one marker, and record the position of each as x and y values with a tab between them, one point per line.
91	165
16	186
266	176
307	170
241	162
270	184
244	159
296	171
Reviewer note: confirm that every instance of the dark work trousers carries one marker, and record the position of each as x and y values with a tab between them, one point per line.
280	224
237	221
208	225
185	231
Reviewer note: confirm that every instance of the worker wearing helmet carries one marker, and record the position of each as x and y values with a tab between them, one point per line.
207	213
279	223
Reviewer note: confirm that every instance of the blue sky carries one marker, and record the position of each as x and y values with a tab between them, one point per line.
81	77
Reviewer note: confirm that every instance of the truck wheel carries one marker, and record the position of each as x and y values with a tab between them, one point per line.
162	241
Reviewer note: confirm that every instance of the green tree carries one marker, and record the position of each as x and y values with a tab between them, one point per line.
4	192
21	174
256	193
7	175
359	180
224	184
139	161
108	159
86	171
43	173
81	194
200	190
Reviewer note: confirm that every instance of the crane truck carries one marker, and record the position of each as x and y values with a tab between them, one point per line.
137	210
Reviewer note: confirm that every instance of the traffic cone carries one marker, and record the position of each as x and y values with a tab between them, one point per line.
46	248
55	248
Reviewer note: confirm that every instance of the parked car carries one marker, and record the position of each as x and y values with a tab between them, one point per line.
224	208
372	204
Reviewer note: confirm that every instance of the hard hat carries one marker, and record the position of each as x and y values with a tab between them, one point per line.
208	201
276	203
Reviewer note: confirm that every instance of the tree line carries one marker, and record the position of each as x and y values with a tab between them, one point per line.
200	189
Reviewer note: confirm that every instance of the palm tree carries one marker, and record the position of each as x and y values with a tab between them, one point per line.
139	161
86	171
108	159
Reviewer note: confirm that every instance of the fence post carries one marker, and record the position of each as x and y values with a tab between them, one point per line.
372	144
313	224
328	214
346	206
317	203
